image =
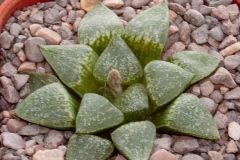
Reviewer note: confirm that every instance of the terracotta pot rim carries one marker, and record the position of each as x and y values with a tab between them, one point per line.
8	7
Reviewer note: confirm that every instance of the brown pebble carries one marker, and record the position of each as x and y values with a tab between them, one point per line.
87	5
27	67
14	125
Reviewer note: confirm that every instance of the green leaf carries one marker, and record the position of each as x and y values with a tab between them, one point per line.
88	147
74	66
98	26
105	92
118	56
147	32
133	103
187	115
51	106
135	140
200	64
96	114
164	82
38	80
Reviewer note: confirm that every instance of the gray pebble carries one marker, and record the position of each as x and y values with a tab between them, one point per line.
217	33
53	139
76	24
211	21
48	5
139	3
29	130
200	35
17	47
184	31
62	3
232	62
194	17
221	120
19	80
12	140
71	17
229	40
15	29
230	28
216	96
74	3
8	70
129	13
185	144
195	47
220	2
6	40
205	10
64	32
171	40
192	157
4	105
233	11
179	9
182	2
36	18
196	4
216	54
4	81
52	16
233	94
210	104
220	12
163	143
16	62
25	91
31	49
21	39
10	94
228	156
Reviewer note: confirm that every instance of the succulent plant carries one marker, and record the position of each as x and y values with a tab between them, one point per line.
111	81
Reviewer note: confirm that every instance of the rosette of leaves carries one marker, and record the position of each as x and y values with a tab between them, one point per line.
112	59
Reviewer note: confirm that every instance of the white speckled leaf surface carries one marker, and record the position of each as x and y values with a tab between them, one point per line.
187	115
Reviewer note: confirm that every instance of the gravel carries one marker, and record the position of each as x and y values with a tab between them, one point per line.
208	26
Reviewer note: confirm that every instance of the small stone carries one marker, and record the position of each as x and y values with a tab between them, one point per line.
220	2
232	147
200	35
19	80
37	18
211	22
64	32
216	54
182	2
192	157
129	13
17	47
185	144
233	94
232	62
162	143
8	70
206	88
176	47
53	154
15	29
14	125
179	9
172	29
195	47
24	15
234	130
214	155
223	108
31	49
210	104
172	15
222	76
76	24
6	40
220	12
230	28
196	90
196	4
221	120
21	55
52	16
4	81
171	40
25	91
4	105
162	154
10	94
213	42
51	37
53	139
34	28
229	40
184	31
233	11
87	5
228	156
29	130
139	3
113	3
71	17
12	140
217	33
205	10
194	17
216	96
30	143
62	3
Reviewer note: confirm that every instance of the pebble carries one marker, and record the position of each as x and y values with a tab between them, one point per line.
163	143
14	125
231	147
114	4
21	55
37	18
64	32
179	9
53	154
210	104
233	94
52	16
139	3
184	31
176	47
206	88
6	40
220	12
227	156
223	76
220	2
195	47
19	80
185	144
233	11
234	130
129	13
205	10
217	33
15	29
221	120
182	2
162	154
12	140
200	35
87	5
62	3
51	37
213	155
229	40
10	94
194	17
192	157
230	28
8	70
211	22
31	49
196	4
17	47
231	49
53	139
29	130
5	81
232	62
34	28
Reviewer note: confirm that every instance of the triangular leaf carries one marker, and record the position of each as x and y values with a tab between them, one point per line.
164	82
98	26
96	114
200	64
133	103
38	80
51	106
147	32
118	56
74	66
187	115
88	147
135	140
